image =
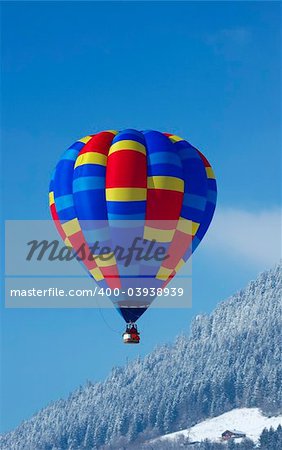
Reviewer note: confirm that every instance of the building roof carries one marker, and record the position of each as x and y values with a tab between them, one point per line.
234	431
238	432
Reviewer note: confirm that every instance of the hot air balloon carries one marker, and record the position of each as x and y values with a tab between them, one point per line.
120	188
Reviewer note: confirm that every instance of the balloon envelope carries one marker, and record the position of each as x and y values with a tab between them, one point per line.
119	190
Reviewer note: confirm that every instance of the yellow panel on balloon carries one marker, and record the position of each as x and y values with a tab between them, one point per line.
91	158
163	273
175	138
97	274
71	227
85	139
187	226
51	198
164	182
158	235
105	260
127	144
126	194
210	172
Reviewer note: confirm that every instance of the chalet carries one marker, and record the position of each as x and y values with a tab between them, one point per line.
232	434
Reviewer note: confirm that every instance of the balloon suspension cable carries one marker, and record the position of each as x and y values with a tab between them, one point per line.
105	321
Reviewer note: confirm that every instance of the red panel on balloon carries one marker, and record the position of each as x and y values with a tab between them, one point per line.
126	168
163	204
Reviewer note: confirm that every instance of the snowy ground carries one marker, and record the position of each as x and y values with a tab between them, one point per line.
249	420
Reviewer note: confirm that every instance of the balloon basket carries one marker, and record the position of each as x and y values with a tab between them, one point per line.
131	335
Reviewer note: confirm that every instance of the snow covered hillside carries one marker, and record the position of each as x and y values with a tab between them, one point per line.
250	421
229	359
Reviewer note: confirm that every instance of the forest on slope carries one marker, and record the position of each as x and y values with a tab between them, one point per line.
229	359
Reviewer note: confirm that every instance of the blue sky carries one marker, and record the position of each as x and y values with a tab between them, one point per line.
209	72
